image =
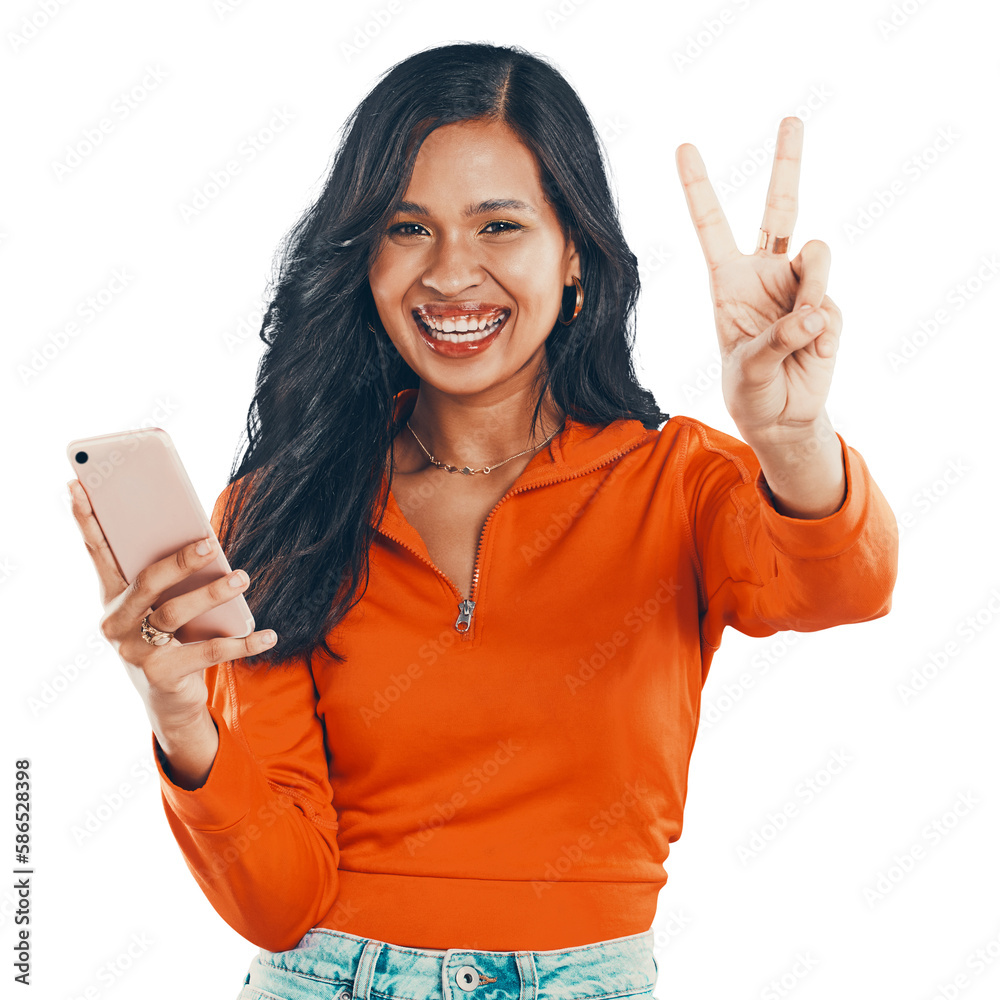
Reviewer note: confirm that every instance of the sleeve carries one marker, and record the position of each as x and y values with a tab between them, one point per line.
762	572
260	835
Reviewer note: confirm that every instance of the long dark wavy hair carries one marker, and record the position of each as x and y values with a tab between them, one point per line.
308	494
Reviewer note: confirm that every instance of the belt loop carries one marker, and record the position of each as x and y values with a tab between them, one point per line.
446	986
529	975
366	970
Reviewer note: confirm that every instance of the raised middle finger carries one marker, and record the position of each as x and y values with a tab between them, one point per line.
710	223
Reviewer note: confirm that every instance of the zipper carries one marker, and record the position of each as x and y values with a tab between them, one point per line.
467	605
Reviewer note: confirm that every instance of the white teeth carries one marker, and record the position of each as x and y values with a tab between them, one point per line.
468	328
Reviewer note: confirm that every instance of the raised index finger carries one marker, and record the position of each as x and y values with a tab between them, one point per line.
782	206
714	234
112	581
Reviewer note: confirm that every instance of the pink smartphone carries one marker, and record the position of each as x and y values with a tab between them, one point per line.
147	508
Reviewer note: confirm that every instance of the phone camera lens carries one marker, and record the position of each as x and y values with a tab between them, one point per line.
81	457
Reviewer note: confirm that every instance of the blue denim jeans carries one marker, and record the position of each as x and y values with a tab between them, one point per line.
339	966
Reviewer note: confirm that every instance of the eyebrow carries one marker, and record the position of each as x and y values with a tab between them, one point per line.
491	205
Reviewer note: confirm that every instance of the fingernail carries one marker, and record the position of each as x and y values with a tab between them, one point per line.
203	547
814	321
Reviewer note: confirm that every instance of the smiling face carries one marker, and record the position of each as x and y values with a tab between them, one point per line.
475	255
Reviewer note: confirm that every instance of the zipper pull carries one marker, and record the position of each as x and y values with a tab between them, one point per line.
465	609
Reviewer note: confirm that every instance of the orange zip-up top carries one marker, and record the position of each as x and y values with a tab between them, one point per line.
506	770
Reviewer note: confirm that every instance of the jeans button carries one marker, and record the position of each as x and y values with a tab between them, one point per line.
344	995
467	978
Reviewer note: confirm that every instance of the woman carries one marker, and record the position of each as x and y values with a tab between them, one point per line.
497	587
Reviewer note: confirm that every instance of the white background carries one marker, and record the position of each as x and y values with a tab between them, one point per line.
115	911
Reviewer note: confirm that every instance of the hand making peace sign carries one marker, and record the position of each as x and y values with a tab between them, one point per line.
776	372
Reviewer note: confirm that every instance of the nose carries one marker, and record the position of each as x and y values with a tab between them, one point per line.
452	267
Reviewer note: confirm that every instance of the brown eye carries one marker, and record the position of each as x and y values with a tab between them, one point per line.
513	226
398	229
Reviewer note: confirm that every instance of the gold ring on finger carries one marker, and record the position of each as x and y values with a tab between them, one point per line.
772	244
153	635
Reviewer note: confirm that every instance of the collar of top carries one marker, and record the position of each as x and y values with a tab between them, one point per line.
576	447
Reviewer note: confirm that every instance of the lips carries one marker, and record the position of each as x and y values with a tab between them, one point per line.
448	320
451	309
460	344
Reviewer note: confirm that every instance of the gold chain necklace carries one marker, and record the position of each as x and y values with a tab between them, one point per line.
466	471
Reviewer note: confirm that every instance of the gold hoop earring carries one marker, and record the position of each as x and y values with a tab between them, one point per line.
579	303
